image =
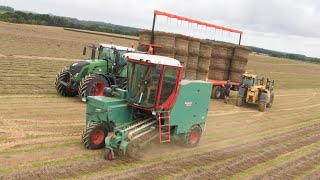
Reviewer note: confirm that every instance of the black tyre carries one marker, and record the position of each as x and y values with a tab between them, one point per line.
109	155
262	106
193	136
270	103
93	136
239	101
92	85
217	92
64	75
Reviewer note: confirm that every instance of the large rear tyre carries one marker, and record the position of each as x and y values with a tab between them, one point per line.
217	92
239	101
64	76
193	136
262	106
92	85
93	136
270	103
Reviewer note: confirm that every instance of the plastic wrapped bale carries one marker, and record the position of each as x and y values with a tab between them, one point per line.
241	52
205	49
239	64
191	74
182	45
166	41
144	37
184	61
218	74
193	46
192	63
235	75
219	63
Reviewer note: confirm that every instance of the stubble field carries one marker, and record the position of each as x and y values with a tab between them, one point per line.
40	132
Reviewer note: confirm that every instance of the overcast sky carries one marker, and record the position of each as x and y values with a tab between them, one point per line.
284	25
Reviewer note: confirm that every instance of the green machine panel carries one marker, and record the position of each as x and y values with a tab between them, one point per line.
191	106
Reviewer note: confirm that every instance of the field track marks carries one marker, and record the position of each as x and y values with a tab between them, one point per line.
38	57
241	156
293	139
292	168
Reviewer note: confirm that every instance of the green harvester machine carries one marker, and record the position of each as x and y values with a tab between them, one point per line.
156	104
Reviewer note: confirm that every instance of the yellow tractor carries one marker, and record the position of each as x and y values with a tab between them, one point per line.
255	91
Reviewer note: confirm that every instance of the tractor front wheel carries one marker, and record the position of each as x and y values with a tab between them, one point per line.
64	76
193	136
92	85
262	106
239	101
93	135
109	155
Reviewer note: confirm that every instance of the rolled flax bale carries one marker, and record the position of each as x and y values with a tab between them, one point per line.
144	37
218	74
242	52
182	45
235	75
191	74
205	49
184	61
239	64
166	41
219	63
193	46
219	50
192	63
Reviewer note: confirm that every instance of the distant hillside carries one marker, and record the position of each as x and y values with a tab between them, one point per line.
8	14
51	20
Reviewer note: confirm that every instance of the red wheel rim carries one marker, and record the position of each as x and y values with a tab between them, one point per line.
97	89
194	137
98	137
110	155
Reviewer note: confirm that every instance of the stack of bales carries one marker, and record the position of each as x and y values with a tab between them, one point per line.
144	37
193	53
238	63
204	60
182	50
221	56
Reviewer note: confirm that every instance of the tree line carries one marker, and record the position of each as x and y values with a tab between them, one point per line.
298	57
50	20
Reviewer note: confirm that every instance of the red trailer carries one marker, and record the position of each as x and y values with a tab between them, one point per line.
217	89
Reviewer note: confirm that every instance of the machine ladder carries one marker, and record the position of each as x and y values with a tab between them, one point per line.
164	126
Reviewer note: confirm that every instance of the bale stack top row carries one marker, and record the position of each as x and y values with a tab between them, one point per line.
201	59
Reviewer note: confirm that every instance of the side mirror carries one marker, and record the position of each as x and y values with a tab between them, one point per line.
84	51
159	68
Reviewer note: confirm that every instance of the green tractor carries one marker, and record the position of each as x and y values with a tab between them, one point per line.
156	104
90	77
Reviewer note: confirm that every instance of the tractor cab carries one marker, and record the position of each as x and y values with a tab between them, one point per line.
152	81
248	80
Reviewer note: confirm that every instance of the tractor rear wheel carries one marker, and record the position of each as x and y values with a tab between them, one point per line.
262	106
64	75
193	136
92	85
93	136
269	104
217	92
239	101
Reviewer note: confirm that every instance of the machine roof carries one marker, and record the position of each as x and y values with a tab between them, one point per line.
120	48
154	59
250	75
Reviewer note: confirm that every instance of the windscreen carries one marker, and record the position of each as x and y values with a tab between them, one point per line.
247	81
143	81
